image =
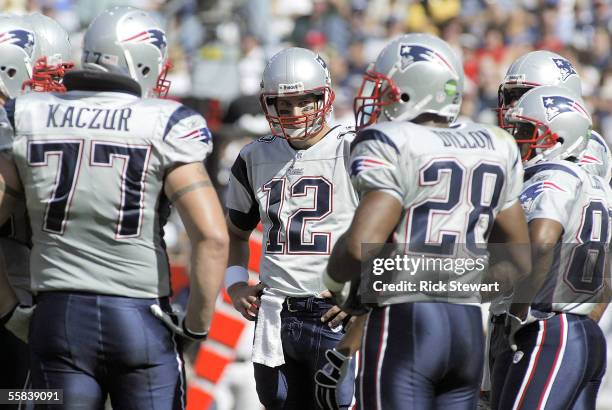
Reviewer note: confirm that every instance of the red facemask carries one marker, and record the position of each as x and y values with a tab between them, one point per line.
376	91
162	87
47	78
533	132
311	122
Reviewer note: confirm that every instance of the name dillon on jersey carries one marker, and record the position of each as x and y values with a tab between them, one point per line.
470	140
88	117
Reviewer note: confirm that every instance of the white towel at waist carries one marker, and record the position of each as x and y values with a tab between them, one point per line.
267	345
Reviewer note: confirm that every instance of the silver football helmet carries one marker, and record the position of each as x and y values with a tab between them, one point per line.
549	122
130	42
18	52
413	75
294	72
53	54
534	69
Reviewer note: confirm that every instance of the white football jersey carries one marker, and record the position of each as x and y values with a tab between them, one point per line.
596	158
304	200
92	166
15	233
582	204
452	182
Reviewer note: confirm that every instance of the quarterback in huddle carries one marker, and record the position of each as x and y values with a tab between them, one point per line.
94	159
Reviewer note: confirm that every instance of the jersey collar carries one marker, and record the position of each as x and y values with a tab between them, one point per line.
91	80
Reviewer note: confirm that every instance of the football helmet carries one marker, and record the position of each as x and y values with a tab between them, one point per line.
532	70
295	72
18	52
552	120
413	75
128	41
54	54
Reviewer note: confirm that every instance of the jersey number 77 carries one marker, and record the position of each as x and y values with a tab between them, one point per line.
102	154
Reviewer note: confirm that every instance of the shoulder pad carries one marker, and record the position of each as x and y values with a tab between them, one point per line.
552	166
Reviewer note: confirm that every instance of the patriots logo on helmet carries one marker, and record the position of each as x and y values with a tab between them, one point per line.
151	36
556	104
565	67
530	193
20	38
412	53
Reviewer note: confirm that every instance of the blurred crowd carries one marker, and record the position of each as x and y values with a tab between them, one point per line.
219	47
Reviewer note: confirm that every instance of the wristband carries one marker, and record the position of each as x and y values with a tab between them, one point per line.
331	284
235	274
194	335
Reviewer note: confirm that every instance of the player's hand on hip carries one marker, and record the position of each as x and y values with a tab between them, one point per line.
335	316
327	379
246	298
18	320
515	323
175	321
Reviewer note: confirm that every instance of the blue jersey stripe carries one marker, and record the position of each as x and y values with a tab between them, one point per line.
532	170
373	134
179	114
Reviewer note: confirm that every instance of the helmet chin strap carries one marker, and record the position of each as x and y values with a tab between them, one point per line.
549	154
297	132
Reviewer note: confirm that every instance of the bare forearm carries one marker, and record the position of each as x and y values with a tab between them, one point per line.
343	265
605	298
208	262
598	312
351	342
374	220
239	252
526	290
8	299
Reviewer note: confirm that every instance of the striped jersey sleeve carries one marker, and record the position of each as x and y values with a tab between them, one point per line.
549	192
374	164
186	138
243	209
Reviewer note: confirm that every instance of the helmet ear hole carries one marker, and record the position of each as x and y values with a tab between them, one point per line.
11	72
145	71
405	97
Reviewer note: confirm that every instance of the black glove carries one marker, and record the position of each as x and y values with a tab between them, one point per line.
175	321
326	379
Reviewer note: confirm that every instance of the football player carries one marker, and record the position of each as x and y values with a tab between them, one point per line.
27	42
422	183
544	67
54	54
296	183
99	167
559	359
534	69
